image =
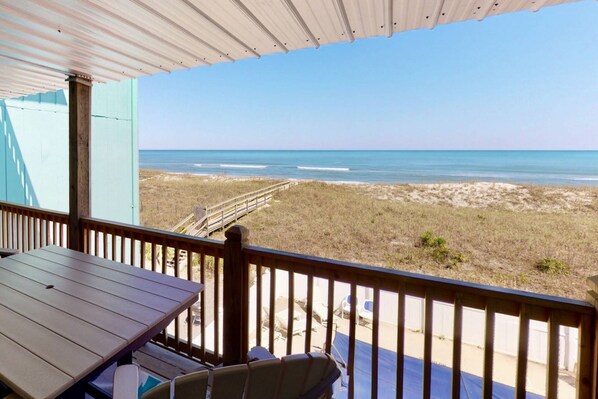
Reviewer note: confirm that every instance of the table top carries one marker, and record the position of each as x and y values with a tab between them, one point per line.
65	315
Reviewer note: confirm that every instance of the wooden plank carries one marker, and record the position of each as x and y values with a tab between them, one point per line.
291	311
51	273
552	361
26	368
63	354
400	341
488	352
330	315
352	333
310	315
103	318
128	309
111	274
97	340
375	333
427	360
520	385
457	336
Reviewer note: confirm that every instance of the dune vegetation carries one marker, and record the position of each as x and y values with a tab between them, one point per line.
541	239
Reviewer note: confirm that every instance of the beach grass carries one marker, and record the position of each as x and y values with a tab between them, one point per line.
498	243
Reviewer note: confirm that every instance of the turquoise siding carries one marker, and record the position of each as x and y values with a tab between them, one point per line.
34	151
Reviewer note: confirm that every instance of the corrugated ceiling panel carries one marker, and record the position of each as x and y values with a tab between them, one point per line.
233	18
411	15
366	17
54	42
323	20
456	11
41	41
276	16
197	49
96	29
191	20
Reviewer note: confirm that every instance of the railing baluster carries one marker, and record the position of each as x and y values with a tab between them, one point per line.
177	326
330	315
520	385
291	312
36	233
154	256
132	250
272	309
375	334
400	341
258	302
142	254
190	316
123	239
202	298
217	306
552	361
488	351
18	232
457	335
310	316
96	241
105	243
352	328
46	230
114	245
427	361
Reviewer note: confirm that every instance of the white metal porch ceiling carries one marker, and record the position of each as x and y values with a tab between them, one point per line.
41	41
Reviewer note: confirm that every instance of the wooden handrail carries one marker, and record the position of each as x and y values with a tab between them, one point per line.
167	236
387	278
33	210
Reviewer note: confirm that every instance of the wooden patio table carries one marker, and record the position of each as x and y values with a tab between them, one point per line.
65	316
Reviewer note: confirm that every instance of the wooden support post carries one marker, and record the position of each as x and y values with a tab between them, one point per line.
236	296
79	157
587	378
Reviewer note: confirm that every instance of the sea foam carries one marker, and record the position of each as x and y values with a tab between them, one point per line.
323	169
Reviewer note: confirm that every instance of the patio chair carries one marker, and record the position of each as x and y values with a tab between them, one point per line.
320	309
282	315
302	376
367	311
346	305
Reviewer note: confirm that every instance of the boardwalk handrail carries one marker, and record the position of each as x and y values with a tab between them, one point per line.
218	216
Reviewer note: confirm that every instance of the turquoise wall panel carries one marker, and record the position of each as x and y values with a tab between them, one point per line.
34	151
2	152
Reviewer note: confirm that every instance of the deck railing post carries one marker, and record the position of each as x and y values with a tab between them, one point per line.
588	346
236	296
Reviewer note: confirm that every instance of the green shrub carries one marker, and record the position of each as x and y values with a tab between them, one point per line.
552	266
429	240
441	254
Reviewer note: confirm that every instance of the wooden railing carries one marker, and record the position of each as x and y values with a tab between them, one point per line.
255	296
217	217
196	333
26	228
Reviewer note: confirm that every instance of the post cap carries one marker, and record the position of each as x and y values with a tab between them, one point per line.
237	233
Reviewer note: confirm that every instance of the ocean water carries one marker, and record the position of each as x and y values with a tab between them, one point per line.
569	168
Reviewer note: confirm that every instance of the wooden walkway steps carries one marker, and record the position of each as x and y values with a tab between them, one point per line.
218	216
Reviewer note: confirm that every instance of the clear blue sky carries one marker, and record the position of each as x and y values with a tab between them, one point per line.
516	81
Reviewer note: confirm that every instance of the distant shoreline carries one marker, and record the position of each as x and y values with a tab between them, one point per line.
231	177
550	168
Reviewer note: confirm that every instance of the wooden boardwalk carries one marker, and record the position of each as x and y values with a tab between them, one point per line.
218	216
